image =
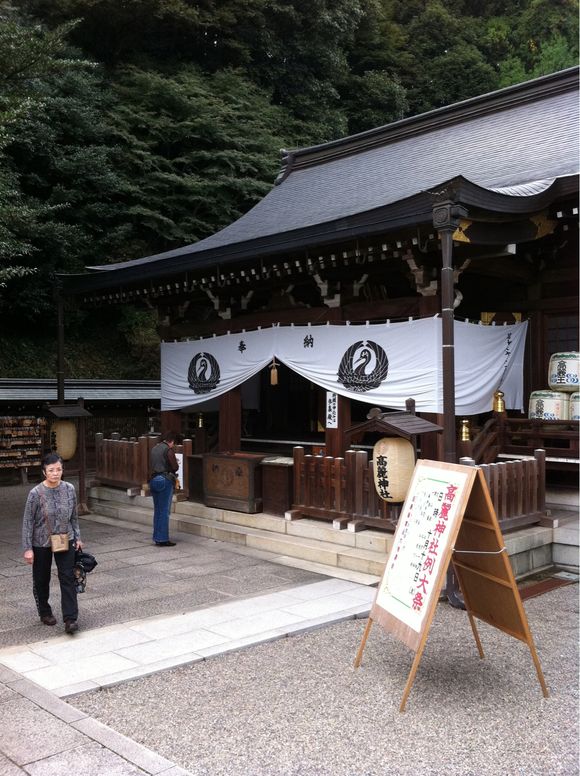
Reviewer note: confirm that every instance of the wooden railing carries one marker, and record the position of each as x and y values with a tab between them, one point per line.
504	437
485	446
517	489
124	463
340	490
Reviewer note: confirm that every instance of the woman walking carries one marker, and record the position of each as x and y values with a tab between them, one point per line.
50	519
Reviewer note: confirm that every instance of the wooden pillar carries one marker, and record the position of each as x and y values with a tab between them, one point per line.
334	437
59	347
171	420
83	508
230	421
446	217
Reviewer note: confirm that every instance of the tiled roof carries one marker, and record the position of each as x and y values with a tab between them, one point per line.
90	390
514	142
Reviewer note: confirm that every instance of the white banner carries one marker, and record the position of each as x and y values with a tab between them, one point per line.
380	364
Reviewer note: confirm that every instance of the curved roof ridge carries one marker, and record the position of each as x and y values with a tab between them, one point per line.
491	102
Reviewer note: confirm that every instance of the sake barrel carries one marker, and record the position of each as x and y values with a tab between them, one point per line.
575	406
64	438
393	465
564	371
549	405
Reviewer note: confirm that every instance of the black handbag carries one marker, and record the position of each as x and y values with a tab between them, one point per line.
86	560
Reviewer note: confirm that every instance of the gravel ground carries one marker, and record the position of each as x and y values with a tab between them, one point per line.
296	707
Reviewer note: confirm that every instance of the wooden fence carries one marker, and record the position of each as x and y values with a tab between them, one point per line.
124	463
517	489
342	490
505	437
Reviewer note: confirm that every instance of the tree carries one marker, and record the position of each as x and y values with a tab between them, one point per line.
65	155
198	151
27	55
373	99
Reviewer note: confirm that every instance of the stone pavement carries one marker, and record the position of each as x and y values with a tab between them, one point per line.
146	609
289	706
107	656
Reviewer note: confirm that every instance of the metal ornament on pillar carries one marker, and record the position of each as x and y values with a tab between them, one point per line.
63	435
393	465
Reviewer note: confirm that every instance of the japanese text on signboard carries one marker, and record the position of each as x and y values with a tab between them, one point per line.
420	547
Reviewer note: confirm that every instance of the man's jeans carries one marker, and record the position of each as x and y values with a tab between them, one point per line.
162	492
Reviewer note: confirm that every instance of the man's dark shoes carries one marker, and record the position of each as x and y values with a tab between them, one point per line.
48	619
165	544
71	626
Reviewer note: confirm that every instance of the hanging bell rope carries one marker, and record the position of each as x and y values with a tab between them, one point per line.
274	372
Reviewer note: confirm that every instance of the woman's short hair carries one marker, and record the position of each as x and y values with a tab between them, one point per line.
171	436
51	458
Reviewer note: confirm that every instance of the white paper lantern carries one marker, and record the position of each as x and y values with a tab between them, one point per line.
393	465
64	438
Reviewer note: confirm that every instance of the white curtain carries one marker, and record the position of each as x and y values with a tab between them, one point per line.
380	364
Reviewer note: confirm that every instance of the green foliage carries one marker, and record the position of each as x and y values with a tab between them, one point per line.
66	159
373	99
198	151
27	54
119	344
139	328
175	128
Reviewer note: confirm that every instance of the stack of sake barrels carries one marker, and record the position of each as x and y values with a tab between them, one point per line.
562	400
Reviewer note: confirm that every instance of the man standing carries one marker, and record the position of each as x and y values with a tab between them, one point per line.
163	470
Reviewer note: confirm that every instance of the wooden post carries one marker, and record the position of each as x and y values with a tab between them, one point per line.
446	215
540	456
187	451
83	508
446	218
298	455
334	437
60	347
143	455
171	420
99	449
230	421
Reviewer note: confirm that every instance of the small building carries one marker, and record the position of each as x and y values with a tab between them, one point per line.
124	407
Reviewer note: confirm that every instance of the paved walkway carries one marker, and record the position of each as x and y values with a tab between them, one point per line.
107	656
146	609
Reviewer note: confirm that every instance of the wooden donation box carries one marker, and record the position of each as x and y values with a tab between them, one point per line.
233	481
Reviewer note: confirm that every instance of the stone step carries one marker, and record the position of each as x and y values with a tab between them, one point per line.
310	541
565	544
353	552
112	502
567	498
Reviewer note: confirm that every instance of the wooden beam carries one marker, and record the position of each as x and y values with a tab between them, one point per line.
230	421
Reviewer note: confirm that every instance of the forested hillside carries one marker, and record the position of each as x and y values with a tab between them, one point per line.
130	127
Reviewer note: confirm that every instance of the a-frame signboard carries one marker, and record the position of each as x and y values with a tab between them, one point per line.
448	516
